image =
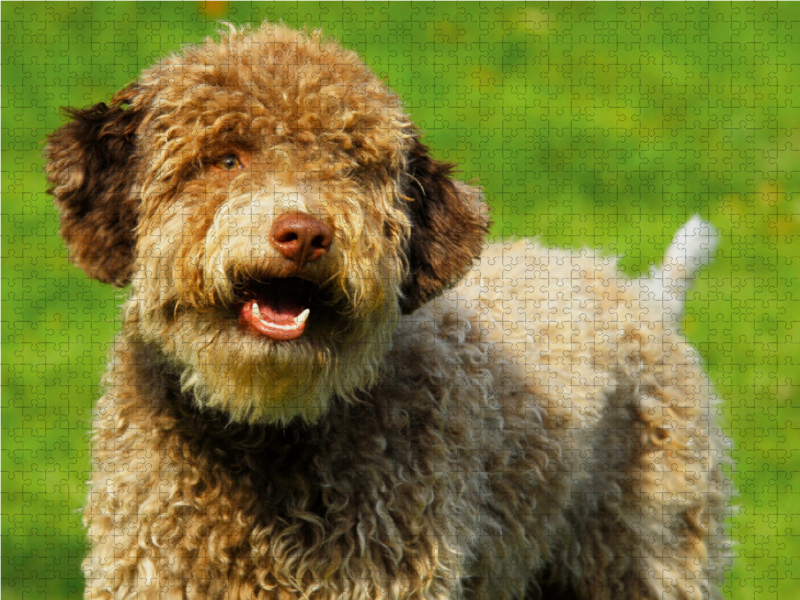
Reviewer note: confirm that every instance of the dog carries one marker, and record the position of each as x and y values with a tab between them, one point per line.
328	385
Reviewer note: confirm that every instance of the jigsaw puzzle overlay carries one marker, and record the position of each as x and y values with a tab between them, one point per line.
604	127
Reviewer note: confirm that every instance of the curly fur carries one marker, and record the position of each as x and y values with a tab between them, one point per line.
518	425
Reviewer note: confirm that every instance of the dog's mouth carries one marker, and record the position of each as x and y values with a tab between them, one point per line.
283	308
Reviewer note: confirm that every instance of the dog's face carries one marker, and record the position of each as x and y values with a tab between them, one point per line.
271	205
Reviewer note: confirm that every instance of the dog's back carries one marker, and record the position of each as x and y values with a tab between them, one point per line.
572	391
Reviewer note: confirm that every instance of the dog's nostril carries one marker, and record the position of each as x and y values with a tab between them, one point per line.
290	236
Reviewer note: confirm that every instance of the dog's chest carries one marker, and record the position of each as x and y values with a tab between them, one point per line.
398	486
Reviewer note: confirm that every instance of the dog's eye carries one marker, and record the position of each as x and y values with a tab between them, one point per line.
228	162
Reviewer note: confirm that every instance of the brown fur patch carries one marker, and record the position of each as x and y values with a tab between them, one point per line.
448	224
91	166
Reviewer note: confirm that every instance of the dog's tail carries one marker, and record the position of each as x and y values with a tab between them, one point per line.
690	250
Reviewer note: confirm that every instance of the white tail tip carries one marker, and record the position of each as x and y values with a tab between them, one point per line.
691	249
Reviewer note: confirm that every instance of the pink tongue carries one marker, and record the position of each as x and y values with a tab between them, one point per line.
276	318
282	312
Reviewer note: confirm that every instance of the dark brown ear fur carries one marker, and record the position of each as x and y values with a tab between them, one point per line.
90	164
448	223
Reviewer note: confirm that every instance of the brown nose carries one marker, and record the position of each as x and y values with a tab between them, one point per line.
301	238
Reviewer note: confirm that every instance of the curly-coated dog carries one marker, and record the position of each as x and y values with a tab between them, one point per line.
322	389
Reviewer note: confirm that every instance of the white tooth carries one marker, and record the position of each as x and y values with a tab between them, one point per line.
291	327
301	318
256	312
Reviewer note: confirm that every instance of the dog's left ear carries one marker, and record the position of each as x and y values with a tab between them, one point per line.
448	224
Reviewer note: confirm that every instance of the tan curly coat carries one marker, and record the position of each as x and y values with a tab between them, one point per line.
538	429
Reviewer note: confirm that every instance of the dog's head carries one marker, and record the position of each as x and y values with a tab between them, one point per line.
275	212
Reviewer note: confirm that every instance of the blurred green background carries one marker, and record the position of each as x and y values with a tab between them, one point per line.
588	125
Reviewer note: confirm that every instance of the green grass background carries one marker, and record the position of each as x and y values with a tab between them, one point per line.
588	125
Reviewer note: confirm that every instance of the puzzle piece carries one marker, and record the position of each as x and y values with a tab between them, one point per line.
598	128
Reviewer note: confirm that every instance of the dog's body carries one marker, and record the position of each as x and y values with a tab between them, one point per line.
301	405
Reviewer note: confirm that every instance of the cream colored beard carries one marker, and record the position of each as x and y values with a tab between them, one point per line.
253	381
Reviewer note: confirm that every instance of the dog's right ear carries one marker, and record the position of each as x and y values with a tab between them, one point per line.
449	222
90	163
